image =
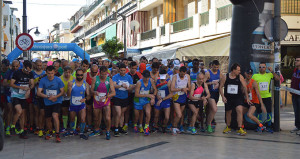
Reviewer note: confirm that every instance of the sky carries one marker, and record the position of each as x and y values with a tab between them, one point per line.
45	13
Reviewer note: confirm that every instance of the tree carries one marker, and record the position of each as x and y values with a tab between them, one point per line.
111	47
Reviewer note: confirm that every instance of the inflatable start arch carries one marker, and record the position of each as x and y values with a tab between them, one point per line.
51	47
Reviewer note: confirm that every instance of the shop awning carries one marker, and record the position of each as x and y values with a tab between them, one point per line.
101	32
215	45
97	55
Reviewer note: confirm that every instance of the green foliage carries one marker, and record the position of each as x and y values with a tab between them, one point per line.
111	47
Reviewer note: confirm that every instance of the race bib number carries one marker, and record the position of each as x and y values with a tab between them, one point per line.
232	89
121	83
197	96
250	96
180	93
144	92
214	85
21	91
263	86
100	96
76	100
51	92
162	93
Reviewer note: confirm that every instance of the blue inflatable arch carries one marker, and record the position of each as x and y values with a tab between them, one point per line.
51	47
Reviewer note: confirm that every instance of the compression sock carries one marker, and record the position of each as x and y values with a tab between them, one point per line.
82	127
65	121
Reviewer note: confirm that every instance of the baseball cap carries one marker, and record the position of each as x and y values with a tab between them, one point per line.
115	62
50	63
146	74
190	64
164	62
163	76
75	60
176	63
34	59
249	71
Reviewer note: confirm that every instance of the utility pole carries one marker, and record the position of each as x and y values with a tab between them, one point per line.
1	29
276	31
24	25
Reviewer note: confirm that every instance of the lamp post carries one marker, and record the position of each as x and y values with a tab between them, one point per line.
114	20
24	24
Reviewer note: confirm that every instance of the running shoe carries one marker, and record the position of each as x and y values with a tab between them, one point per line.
23	135
141	130
95	133
241	132
209	129
48	137
36	131
260	129
116	133
17	132
7	132
125	128
66	134
147	131
294	130
270	130
169	127
202	129
123	131
41	134
194	131
82	136
227	130
181	129
57	138
189	130
107	135
63	130
135	129
155	129
163	130
174	131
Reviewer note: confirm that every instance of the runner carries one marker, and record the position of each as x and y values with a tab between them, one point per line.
212	77
263	80
154	71
180	86
37	74
56	65
89	103
51	88
77	90
142	100
21	84
296	98
136	76
193	72
234	86
197	99
163	99
256	100
7	109
66	78
122	83
202	66
103	90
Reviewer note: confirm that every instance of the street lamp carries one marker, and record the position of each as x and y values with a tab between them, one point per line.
114	20
83	46
36	33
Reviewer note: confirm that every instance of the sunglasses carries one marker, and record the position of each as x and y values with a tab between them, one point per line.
262	67
79	74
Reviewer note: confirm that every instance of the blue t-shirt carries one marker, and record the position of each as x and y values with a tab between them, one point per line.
8	76
121	92
149	68
51	88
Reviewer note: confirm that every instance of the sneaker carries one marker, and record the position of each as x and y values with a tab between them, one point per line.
260	129
294	130
141	130
189	130
82	136
209	129
107	135
122	131
194	131
181	129
23	135
116	133
66	134
241	132
174	131
163	130
155	129
125	128
227	130
57	138
63	130
41	134
270	130
13	131
48	137
7	132
135	129
18	132
95	133
169	127
147	131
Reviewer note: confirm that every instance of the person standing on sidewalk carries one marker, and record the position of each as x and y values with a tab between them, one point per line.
296	98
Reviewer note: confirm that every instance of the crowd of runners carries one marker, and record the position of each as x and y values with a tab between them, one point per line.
121	96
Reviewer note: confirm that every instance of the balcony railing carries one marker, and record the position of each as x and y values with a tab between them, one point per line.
92	7
94	50
225	12
151	34
290	6
204	18
182	25
73	26
163	30
99	25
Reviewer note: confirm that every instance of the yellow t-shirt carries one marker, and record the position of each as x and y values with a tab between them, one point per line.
66	82
263	81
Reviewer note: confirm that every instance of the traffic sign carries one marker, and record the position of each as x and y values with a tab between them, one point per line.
24	42
269	27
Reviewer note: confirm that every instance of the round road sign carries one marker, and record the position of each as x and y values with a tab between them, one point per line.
24	42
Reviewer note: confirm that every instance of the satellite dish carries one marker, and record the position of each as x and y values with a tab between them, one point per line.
134	25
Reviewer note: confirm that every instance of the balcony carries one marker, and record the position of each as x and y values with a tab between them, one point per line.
204	18
182	25
92	7
99	25
146	5
225	12
151	34
94	50
290	7
73	26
